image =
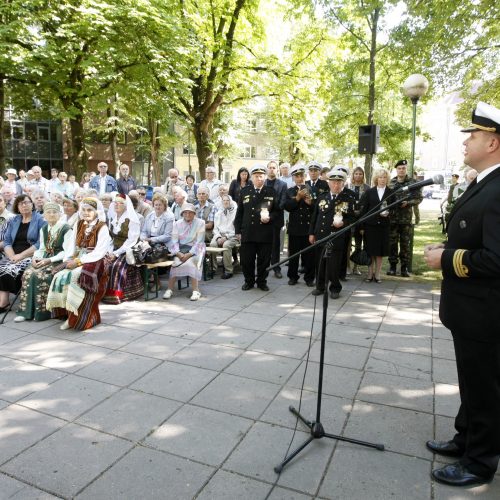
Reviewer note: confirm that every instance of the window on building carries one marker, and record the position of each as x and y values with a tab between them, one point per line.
43	133
31	131
248	152
18	131
252	125
55	132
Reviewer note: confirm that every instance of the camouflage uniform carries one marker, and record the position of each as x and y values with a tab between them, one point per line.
401	228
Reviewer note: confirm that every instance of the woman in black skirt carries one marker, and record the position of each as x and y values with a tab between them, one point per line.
376	228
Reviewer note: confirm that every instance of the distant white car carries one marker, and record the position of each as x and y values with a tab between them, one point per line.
439	194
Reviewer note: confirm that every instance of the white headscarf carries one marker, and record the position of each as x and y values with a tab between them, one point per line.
116	222
96	205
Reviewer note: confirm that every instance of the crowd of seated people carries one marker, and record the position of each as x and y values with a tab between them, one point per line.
63	244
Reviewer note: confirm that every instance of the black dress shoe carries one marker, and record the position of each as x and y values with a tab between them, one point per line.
458	475
247	286
334	295
264	288
404	272
446	448
226	276
278	275
317	292
292	282
391	272
310	283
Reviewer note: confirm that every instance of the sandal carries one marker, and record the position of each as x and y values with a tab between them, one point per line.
369	280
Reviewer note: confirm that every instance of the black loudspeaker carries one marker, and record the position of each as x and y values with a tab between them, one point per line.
369	136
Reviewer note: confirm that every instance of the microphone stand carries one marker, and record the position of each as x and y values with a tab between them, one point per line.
316	427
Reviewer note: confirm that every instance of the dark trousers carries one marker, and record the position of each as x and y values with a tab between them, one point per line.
275	252
328	267
478	419
248	252
295	244
345	256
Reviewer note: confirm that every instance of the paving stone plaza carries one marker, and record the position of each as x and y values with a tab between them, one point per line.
181	400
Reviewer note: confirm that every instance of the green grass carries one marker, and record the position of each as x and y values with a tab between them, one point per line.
428	231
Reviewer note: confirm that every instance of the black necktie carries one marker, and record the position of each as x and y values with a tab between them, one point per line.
257	191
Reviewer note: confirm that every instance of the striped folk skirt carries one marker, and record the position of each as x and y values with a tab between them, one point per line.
124	283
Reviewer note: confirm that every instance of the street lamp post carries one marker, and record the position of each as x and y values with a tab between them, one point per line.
414	87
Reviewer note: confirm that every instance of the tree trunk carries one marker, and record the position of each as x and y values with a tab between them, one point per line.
113	136
203	151
371	85
154	149
78	154
3	128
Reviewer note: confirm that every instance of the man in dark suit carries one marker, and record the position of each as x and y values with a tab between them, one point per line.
333	211
470	298
318	186
280	188
256	216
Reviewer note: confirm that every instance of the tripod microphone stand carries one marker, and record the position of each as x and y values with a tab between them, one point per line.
316	428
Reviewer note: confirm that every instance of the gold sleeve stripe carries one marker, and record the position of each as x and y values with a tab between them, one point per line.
460	269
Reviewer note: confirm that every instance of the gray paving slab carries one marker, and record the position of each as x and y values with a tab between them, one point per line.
109	336
143	321
403	431
200	434
14	489
174	381
258	321
21	427
337	381
348	334
281	345
129	414
62	355
68	460
8	334
291	325
165	476
403	342
184	328
262	366
69	397
231	336
18	378
237	395
228	486
359	320
446	399
445	371
156	346
30	326
443	348
409	393
361	473
334	410
3	404
203	355
400	363
286	494
265	446
339	354
119	368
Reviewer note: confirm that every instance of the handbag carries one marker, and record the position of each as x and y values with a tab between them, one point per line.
360	257
136	255
158	253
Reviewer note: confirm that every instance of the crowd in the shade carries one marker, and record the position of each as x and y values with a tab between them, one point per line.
65	243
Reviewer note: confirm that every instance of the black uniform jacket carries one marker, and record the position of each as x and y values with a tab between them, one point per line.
280	187
318	189
470	298
324	212
369	201
247	221
300	213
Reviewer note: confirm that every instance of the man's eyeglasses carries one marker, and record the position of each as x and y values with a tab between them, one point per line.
141	194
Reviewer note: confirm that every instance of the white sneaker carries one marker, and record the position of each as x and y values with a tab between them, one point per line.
65	325
19	319
195	295
168	294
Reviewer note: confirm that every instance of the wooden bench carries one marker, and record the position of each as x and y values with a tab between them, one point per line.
152	270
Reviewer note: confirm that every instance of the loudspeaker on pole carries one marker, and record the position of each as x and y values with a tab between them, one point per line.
368	139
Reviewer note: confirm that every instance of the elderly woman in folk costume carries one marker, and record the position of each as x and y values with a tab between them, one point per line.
21	240
54	240
188	246
125	281
75	291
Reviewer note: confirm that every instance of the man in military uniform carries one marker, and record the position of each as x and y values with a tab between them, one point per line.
470	296
333	211
401	228
254	225
318	186
300	205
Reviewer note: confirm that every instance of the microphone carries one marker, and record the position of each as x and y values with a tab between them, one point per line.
437	179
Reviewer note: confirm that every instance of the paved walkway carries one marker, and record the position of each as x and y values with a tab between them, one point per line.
180	400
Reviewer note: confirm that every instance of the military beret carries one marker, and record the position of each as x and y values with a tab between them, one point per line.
401	162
